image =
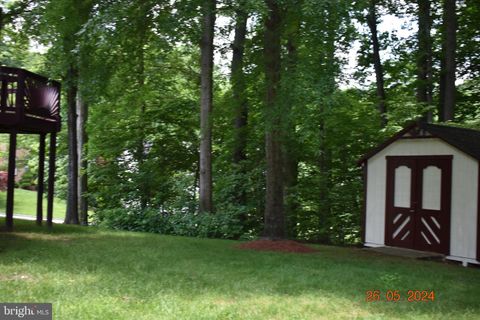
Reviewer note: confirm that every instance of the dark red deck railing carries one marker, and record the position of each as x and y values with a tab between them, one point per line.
29	102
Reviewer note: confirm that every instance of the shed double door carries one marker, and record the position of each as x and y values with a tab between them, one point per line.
418	202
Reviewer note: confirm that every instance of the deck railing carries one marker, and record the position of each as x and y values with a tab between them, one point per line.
29	99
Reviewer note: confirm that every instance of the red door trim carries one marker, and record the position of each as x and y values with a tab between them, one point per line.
446	202
446	193
389	194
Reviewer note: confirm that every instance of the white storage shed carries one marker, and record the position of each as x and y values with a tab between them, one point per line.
422	192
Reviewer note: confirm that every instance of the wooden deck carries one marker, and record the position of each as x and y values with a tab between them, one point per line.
30	104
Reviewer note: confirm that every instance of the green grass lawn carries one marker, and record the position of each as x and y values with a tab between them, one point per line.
89	273
25	202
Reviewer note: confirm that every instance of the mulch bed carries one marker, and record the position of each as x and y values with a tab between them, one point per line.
277	245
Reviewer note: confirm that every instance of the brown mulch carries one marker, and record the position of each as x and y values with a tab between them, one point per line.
277	245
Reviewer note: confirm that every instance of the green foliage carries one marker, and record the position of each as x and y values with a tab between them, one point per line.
468	101
138	64
219	225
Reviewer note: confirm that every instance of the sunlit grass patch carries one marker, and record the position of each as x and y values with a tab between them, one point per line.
90	273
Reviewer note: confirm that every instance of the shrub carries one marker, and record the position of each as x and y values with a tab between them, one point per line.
207	225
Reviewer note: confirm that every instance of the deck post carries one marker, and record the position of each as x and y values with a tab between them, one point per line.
12	148
41	176
51	177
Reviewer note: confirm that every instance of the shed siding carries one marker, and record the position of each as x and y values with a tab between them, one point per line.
464	193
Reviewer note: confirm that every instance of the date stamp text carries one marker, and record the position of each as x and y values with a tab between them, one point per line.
398	295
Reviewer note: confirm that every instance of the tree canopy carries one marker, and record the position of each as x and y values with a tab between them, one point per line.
297	92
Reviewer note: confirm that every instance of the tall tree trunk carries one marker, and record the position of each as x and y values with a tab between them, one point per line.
140	152
71	216
291	159
377	62
448	63
239	98
206	101
2	20
143	21
329	60
274	205
81	11
324	165
424	56
82	108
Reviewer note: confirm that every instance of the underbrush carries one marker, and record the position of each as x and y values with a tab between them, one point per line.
205	225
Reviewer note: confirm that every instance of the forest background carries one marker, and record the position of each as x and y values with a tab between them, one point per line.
238	118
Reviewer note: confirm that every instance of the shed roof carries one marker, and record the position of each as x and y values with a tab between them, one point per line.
466	140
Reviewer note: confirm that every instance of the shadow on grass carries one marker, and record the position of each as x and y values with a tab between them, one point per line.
31	226
141	265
